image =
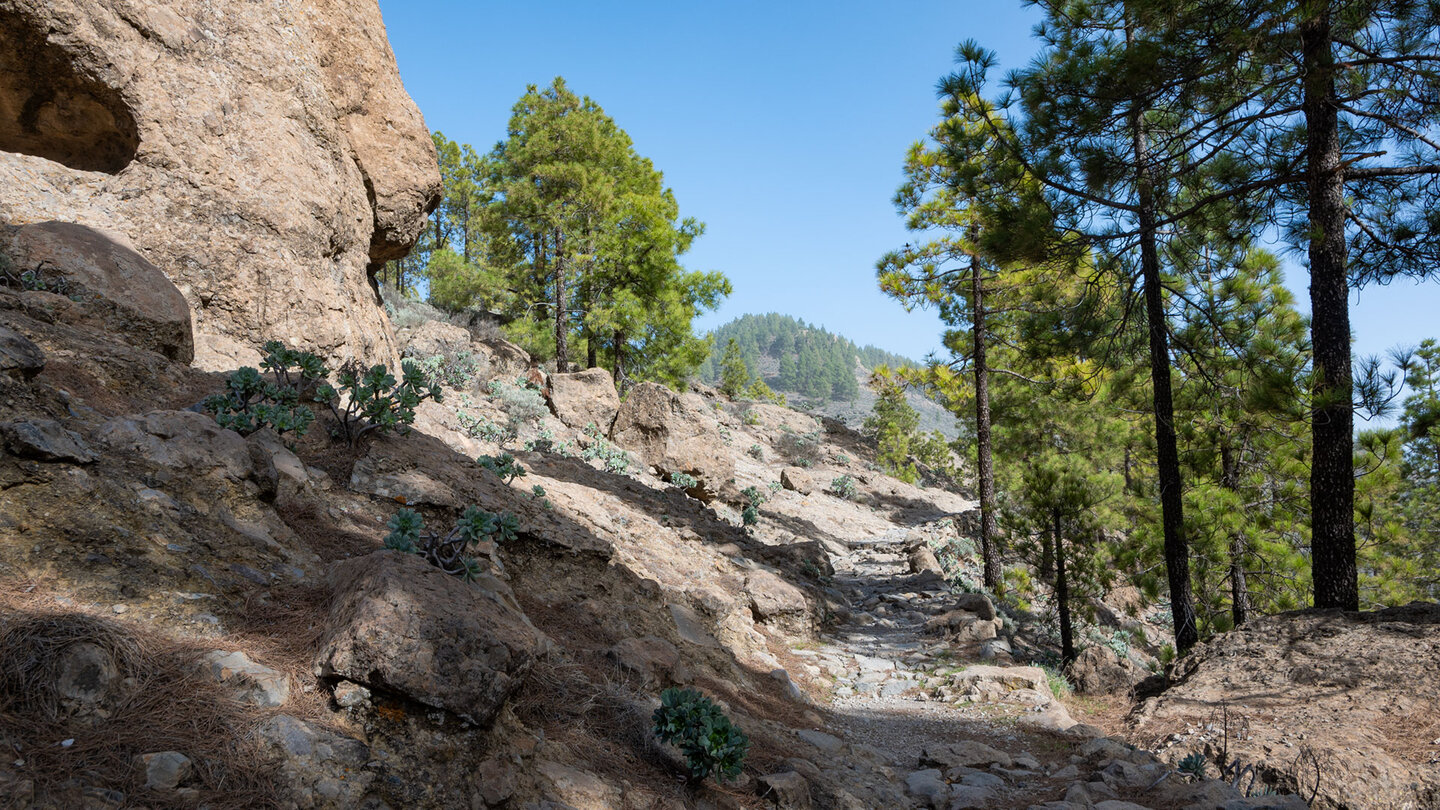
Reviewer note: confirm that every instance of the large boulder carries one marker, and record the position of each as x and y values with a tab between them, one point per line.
1097	670
401	625
585	397
675	433
265	156
133	300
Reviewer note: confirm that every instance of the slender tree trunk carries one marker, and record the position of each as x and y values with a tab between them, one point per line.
1062	593
984	462
1047	557
1239	590
1167	456
562	325
1332	467
619	349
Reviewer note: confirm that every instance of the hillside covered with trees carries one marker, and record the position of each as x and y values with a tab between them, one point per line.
815	369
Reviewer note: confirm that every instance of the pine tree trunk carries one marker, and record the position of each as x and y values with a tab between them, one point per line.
619	344
984	464
1062	594
562	330
1047	557
1167	456
1239	590
1332	467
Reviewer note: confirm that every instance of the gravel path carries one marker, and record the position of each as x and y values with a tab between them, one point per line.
891	678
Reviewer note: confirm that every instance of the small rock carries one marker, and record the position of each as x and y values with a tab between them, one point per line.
825	742
929	786
968	797
252	683
1067	773
46	440
982	779
497	781
968	753
165	770
19	356
118	609
349	695
787	790
87	673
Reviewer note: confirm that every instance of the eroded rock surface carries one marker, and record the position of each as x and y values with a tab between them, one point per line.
408	627
1341	691
264	156
675	433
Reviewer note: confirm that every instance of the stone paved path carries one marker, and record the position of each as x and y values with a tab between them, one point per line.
949	736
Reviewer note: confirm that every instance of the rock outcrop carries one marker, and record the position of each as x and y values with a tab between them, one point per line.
403	625
264	156
1348	696
675	433
584	398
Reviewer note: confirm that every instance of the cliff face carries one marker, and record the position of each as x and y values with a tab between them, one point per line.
264	156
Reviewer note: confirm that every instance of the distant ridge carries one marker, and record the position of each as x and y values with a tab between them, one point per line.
818	370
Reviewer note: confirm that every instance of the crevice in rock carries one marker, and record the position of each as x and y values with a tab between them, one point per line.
52	108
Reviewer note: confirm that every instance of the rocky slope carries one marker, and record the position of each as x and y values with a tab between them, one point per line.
189	612
1342	708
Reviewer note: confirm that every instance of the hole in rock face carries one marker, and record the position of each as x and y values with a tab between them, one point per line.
51	108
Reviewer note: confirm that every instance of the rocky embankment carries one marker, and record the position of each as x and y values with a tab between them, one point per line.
190	612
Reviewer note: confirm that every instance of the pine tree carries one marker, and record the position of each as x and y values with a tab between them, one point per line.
734	376
892	425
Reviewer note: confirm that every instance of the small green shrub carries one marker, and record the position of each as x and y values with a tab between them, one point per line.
504	466
35	279
456	370
616	460
684	481
749	515
1167	654
844	487
750	417
252	402
481	427
802	449
544	442
1059	685
774	487
756	452
753	496
374	400
449	552
521	402
1193	765
712	745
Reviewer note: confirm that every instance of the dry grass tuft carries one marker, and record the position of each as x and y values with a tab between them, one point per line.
32	649
161	702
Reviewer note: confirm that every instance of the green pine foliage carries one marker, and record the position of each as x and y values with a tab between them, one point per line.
570	235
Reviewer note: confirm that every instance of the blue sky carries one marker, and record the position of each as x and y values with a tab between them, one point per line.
781	125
